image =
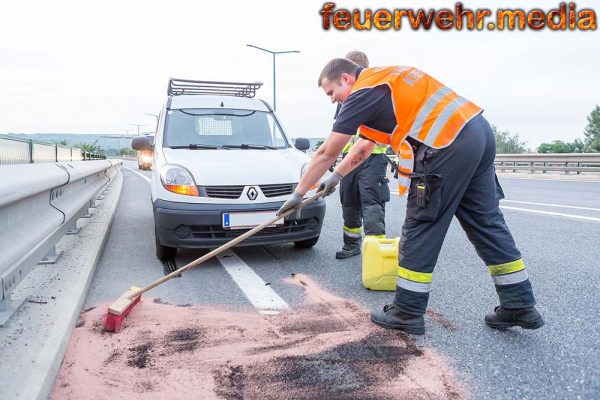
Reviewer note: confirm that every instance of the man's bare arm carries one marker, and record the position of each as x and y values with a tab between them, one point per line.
358	154
322	159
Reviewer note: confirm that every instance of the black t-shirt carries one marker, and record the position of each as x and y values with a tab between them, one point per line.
371	107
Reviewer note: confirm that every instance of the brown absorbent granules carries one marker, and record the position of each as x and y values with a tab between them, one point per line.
326	349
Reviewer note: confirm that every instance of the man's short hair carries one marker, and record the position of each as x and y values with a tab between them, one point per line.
334	69
358	57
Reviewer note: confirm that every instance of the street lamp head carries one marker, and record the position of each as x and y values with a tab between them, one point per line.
260	48
272	51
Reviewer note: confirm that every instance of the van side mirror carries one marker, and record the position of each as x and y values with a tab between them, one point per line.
302	144
142	143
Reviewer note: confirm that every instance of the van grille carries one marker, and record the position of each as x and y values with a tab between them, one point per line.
224	192
277	190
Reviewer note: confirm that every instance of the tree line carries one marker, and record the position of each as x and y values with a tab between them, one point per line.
509	143
506	142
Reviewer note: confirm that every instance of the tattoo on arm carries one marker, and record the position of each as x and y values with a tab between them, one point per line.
358	158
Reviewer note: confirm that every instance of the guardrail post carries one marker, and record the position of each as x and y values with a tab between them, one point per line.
73	229
8	306
31	151
578	171
90	211
51	257
566	166
532	170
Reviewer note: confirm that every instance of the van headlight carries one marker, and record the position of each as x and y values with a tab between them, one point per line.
178	180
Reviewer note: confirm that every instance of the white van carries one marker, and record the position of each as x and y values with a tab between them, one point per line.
223	164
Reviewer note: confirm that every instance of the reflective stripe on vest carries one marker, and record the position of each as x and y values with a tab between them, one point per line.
376	150
424	108
405	167
350	143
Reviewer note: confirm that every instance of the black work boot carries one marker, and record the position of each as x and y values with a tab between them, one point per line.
526	318
347	252
391	318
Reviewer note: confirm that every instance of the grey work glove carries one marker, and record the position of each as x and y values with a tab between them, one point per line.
293	202
328	185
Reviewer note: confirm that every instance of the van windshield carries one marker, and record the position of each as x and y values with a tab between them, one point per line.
213	128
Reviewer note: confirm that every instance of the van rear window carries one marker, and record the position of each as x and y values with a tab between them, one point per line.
212	125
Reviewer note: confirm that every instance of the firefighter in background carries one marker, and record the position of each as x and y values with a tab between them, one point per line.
364	191
451	173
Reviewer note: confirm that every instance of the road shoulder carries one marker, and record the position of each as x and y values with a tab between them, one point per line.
34	341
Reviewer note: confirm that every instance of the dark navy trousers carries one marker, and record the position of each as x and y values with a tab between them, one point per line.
460	181
363	194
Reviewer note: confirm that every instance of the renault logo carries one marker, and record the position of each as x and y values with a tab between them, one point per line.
252	193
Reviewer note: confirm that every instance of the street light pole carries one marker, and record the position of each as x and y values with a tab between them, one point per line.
274	53
138	127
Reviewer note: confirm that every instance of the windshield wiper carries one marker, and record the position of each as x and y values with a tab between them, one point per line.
245	146
193	146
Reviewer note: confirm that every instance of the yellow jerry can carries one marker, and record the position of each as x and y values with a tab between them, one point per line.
380	263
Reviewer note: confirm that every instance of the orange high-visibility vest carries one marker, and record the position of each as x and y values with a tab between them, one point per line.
424	108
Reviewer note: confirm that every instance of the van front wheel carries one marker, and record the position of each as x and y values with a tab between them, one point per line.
163	252
307	244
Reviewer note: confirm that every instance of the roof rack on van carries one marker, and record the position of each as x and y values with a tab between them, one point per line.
187	87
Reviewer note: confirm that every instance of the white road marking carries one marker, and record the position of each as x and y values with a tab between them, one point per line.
587	179
550	205
265	299
551	213
256	290
548	212
140	174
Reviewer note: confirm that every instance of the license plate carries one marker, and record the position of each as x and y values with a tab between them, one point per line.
245	220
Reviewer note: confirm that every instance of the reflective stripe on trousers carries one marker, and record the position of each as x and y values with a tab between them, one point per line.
508	273
353	232
461	181
414	281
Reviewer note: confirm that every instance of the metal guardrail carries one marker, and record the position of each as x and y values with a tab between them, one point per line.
15	150
38	205
563	162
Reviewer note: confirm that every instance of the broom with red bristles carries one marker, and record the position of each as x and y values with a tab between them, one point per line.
121	308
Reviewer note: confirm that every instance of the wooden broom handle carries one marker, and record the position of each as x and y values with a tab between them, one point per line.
221	249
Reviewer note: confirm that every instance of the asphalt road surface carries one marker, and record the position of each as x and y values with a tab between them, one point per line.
556	225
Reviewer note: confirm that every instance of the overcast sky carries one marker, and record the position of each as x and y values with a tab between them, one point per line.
98	66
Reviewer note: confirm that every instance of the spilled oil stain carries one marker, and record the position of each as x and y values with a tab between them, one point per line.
230	382
140	356
440	319
185	339
324	349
